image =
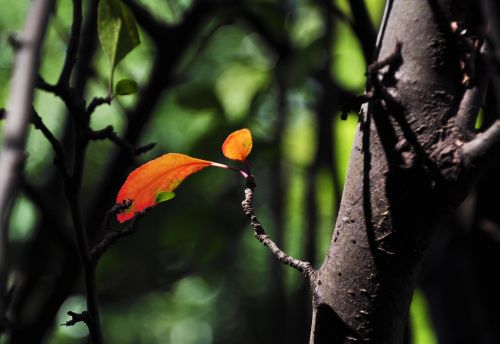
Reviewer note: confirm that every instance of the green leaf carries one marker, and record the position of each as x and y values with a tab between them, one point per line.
164	196
117	30
125	87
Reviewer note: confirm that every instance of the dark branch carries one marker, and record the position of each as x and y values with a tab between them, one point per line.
96	102
111	237
363	28
73	44
47	87
60	159
394	60
260	234
148	22
76	318
109	133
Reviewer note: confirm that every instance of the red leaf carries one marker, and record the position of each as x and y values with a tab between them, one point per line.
162	174
238	145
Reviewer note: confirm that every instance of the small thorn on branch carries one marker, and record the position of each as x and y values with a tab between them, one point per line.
76	318
261	235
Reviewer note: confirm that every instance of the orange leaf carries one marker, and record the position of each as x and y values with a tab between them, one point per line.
147	184
238	145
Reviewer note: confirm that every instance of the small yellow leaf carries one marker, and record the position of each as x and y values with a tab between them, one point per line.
238	145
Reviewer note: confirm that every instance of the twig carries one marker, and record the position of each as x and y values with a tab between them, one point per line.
375	90
111	237
17	119
97	101
77	317
304	267
394	60
73	44
60	159
109	133
42	84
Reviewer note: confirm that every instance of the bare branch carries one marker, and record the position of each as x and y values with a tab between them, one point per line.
109	133
60	159
76	318
98	101
43	85
18	115
261	235
111	237
73	44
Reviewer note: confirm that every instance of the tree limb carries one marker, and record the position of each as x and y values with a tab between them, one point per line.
17	119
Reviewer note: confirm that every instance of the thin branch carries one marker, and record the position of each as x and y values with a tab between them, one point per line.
394	60
77	317
111	237
43	85
109	133
18	115
96	102
261	235
73	44
72	194
60	159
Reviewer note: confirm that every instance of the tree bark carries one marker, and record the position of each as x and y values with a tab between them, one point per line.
409	165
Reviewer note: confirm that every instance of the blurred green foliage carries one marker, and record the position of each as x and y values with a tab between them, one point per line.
186	278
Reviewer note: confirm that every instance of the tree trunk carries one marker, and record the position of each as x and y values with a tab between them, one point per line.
409	165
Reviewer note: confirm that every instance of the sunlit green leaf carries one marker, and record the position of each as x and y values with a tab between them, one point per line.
125	87
164	196
117	30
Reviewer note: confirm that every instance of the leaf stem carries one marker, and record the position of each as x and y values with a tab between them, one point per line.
244	174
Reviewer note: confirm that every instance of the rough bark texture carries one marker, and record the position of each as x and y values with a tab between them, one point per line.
407	169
